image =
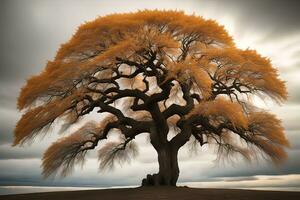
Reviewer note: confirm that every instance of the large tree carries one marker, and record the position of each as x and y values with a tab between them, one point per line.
172	76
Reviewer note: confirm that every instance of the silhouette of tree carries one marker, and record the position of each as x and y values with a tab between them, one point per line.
158	73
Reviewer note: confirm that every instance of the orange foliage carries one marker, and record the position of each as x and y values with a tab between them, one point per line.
34	120
189	71
264	134
64	153
248	68
221	108
67	151
119	35
113	151
268	135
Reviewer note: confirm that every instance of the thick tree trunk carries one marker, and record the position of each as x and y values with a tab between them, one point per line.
168	165
168	168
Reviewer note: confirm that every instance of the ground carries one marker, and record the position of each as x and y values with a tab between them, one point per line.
159	193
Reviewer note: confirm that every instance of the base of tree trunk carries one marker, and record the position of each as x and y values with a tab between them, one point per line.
155	180
150	180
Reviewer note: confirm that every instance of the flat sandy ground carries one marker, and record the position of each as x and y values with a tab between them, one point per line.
159	193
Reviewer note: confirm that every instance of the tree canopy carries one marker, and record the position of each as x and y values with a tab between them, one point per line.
153	72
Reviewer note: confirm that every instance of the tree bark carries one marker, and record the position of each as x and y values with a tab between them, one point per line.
168	168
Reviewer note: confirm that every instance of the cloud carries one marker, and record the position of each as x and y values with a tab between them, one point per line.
260	167
8	95
9	152
242	178
8	120
294	93
278	17
294	138
290	115
282	182
28	172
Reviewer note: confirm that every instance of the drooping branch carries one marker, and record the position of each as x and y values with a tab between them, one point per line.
61	156
267	135
113	152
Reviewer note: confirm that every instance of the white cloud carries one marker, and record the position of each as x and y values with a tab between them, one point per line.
281	182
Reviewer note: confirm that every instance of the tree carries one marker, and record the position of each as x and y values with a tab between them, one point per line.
158	73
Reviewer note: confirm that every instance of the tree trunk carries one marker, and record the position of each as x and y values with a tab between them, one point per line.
168	168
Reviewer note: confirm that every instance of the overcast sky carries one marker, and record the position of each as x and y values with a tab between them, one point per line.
31	32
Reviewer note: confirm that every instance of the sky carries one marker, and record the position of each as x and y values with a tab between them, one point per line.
32	31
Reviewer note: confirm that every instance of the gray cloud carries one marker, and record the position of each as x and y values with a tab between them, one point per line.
8	120
279	17
294	93
289	114
242	178
8	152
294	138
28	172
6	135
292	166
